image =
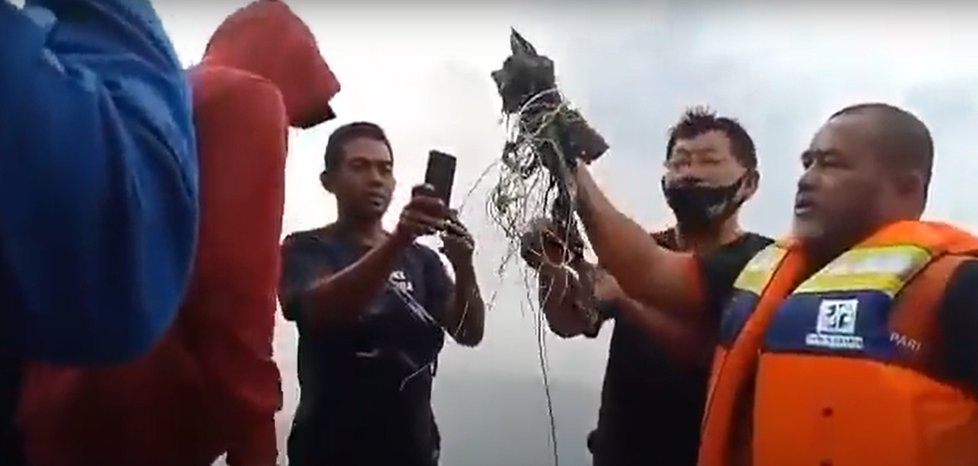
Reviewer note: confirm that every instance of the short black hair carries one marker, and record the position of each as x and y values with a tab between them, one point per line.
335	147
900	137
700	120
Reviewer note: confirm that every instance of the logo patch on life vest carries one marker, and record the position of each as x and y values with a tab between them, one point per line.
835	327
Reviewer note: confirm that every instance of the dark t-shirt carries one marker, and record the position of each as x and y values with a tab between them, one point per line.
366	388
651	405
958	322
11	375
12	365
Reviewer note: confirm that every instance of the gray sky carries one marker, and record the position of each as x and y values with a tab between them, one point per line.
423	74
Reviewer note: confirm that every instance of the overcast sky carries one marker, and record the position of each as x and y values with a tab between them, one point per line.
423	73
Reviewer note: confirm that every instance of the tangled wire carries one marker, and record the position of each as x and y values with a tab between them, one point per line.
546	138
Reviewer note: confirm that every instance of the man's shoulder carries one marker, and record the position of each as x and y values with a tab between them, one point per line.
963	280
424	249
721	267
967	269
304	235
748	243
957	308
425	255
736	254
957	318
305	240
215	85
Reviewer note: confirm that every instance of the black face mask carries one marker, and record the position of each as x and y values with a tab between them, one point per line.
699	207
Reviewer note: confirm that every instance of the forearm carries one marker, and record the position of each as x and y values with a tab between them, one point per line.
623	247
646	271
685	340
467	311
345	295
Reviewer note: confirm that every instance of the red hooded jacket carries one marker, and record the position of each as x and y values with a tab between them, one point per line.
210	386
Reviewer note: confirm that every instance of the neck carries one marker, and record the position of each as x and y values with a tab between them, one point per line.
704	241
819	252
362	231
817	256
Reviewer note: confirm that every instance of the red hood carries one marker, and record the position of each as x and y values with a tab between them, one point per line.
267	39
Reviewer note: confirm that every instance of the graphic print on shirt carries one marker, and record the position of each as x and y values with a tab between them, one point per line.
399	280
403	288
400	286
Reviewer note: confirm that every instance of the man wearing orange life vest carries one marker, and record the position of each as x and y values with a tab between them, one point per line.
853	343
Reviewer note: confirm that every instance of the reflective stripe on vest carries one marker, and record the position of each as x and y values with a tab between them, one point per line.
833	383
875	272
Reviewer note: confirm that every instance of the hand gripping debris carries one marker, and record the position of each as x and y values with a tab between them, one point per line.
546	139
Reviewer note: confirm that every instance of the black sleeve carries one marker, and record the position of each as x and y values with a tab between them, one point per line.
300	269
720	269
958	320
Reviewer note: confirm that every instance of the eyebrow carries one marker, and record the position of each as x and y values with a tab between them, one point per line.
367	160
698	150
818	153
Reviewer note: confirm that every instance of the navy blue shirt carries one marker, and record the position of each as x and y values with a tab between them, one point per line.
366	388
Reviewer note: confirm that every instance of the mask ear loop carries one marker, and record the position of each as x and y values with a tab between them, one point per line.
738	203
741	182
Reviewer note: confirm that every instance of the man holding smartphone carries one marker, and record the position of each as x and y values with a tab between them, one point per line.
372	308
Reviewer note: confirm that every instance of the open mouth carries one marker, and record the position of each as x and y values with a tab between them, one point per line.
377	199
804	205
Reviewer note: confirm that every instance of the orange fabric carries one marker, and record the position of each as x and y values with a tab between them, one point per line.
211	385
733	367
936	423
805	421
74	417
268	40
231	303
819	409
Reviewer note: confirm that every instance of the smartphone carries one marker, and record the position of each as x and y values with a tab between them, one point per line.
440	174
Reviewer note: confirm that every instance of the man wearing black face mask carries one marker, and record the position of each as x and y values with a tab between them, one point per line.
658	362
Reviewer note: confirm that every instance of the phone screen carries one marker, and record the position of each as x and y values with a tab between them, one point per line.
440	174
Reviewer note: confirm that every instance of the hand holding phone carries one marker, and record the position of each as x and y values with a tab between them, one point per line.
424	214
457	243
440	175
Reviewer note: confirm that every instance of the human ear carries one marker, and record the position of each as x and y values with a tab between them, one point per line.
752	180
327	181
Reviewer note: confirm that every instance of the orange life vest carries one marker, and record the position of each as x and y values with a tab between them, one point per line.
840	370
